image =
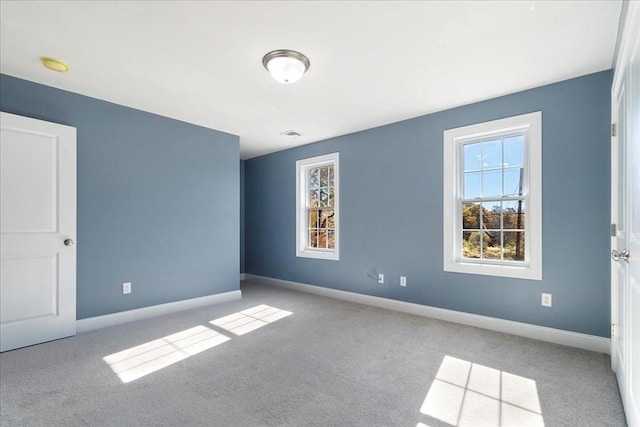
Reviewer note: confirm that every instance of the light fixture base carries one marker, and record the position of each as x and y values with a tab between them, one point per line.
54	64
291	133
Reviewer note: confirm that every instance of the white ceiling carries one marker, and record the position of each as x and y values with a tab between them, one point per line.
372	63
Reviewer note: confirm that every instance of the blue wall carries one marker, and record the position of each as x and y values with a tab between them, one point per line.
391	212
158	200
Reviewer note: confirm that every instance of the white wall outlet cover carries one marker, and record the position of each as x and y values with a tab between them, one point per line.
126	288
547	300
403	281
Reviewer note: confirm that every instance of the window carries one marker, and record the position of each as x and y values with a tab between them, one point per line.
493	199
317	207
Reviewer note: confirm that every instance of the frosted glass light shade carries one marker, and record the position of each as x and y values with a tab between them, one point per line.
286	66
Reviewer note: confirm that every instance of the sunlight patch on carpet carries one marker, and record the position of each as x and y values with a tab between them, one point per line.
144	359
251	319
465	394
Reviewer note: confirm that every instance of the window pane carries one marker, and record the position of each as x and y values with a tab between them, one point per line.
492	154
314	178
314	198
491	215
472	157
492	245
514	151
324	197
332	197
313	238
331	173
492	184
331	239
471	244
514	245
324	177
325	216
313	218
513	181
322	238
472	182
471	216
329	218
514	215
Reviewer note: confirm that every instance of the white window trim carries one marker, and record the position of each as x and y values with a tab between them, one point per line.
531	268
302	249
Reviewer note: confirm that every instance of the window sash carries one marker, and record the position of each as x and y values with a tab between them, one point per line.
482	228
317	227
461	200
328	170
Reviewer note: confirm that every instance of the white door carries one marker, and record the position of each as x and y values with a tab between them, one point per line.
38	228
625	297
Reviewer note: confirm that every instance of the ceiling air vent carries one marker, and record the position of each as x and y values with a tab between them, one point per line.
291	133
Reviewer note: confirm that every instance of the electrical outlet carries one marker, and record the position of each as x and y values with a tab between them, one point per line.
380	278
126	288
546	300
403	281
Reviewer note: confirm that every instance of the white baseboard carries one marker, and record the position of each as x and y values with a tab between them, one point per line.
242	276
542	333
97	322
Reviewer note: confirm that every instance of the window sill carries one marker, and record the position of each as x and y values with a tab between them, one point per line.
511	271
328	255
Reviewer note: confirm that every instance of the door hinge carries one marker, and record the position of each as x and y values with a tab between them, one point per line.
613	329
614	129
614	230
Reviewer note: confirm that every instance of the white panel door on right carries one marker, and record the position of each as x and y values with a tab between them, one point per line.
625	179
37	231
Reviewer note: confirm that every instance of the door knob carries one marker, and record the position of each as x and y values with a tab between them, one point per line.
68	242
617	256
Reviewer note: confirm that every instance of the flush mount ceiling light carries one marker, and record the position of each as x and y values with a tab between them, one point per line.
54	64
291	133
286	66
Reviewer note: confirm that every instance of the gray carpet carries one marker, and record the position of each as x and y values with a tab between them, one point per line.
329	363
